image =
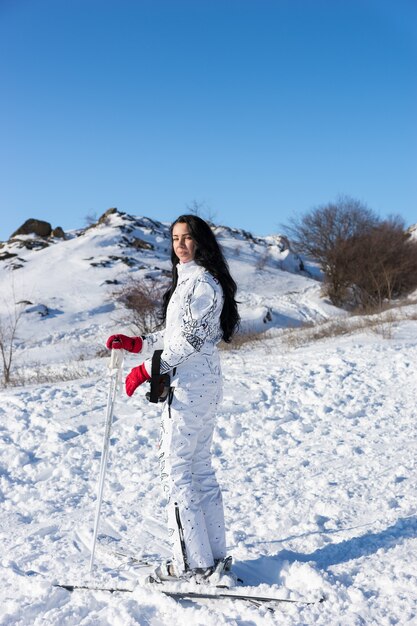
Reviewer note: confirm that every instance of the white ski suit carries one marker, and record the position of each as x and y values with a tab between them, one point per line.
194	501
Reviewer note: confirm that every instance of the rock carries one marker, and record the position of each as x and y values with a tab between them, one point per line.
140	244
33	244
58	232
104	218
41	309
4	256
35	227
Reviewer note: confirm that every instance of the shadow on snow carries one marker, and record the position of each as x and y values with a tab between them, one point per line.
267	568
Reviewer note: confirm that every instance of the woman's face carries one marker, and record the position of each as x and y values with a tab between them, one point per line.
183	244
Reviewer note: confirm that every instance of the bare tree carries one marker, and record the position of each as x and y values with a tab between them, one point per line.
386	264
365	260
143	300
91	218
203	210
324	234
8	330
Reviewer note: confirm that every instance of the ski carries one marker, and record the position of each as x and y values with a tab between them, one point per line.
92	588
137	561
195	595
223	595
123	557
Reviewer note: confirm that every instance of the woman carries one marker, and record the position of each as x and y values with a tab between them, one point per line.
199	310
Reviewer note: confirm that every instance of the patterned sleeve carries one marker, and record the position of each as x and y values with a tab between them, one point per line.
200	323
153	341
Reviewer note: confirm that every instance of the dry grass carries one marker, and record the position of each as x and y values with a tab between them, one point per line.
382	323
45	374
241	340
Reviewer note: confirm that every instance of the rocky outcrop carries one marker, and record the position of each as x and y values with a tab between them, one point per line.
58	232
104	218
39	228
34	227
140	244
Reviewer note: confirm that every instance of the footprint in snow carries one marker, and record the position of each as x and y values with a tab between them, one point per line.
70	434
67	435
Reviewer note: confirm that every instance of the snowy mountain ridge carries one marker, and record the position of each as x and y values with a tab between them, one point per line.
141	233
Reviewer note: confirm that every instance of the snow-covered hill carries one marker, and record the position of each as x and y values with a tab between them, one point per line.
315	445
69	285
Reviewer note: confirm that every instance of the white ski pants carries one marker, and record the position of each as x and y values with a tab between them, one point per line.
195	507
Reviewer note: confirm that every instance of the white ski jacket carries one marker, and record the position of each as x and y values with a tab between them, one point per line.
192	329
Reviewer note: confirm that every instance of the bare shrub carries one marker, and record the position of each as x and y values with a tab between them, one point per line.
8	331
381	323
102	352
386	264
308	333
365	260
203	210
242	340
323	233
143	301
91	219
262	260
384	325
40	374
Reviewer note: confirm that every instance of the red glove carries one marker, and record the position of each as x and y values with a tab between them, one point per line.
118	342
136	377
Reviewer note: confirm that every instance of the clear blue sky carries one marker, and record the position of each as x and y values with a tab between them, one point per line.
257	109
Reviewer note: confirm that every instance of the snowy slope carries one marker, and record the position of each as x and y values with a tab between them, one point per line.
73	282
315	450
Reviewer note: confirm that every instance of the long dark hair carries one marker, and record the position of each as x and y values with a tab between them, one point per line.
209	255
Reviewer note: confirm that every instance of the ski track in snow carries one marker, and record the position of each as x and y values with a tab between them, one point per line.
315	450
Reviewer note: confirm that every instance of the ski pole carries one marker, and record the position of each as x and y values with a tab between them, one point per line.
115	372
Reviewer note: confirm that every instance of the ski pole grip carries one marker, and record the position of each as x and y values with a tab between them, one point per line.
116	360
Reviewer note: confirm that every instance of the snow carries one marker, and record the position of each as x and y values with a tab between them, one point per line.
314	448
